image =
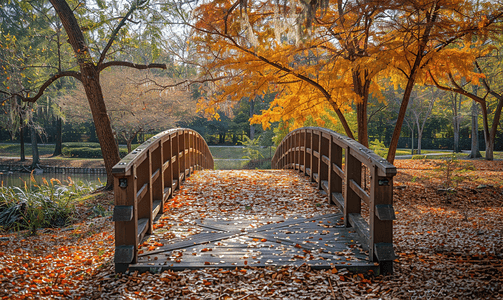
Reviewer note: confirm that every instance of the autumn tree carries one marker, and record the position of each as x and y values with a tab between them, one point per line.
491	102
91	57
135	103
434	37
308	58
319	56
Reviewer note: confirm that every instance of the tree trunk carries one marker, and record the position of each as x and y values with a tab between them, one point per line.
475	152
59	137
128	145
34	148
419	137
494	128
109	149
21	141
487	134
401	116
362	90
456	121
412	139
252	112
91	82
456	139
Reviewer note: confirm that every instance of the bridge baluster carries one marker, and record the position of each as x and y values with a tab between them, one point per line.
145	179
319	153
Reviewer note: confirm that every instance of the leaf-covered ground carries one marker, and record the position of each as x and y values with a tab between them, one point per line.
448	239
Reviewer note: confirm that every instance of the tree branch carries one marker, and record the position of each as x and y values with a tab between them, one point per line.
457	89
46	84
121	24
103	66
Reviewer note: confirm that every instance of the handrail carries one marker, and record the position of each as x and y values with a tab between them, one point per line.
145	179
318	153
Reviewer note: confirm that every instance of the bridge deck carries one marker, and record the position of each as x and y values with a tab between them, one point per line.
229	219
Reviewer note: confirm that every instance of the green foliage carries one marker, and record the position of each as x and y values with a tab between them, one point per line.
80	145
378	147
252	148
50	204
419	157
451	171
87	152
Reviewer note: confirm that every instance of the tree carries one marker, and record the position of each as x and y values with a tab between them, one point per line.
433	37
421	106
321	60
488	66
134	103
91	62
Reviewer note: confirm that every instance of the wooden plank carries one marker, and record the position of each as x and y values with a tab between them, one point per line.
338	170
174	184
165	165
361	226
325	159
324	185
316	154
167	193
156	207
142	228
142	192
196	239
359	191
316	177
339	200
156	174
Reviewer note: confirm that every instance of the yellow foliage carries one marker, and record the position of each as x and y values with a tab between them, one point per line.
350	53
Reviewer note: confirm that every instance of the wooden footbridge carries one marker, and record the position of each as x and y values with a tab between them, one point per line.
351	176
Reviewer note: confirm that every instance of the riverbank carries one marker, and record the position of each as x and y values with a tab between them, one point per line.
58	161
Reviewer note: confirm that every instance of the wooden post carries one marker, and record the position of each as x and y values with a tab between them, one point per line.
302	154
175	160
382	215
315	155
336	174
352	203
309	154
126	219
324	162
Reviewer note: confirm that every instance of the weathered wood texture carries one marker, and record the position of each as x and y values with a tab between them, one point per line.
319	154
320	242
145	179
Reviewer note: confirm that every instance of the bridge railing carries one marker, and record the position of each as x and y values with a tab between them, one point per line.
145	179
349	173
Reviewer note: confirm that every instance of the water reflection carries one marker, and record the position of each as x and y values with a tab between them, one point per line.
18	178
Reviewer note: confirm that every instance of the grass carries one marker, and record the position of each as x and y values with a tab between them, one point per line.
227	164
14	149
228	157
237	152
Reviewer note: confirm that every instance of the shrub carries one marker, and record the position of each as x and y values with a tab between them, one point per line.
80	145
87	152
418	156
49	204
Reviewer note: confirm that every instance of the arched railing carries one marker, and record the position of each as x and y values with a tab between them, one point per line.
145	179
320	153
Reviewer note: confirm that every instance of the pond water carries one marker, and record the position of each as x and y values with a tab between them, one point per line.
18	178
